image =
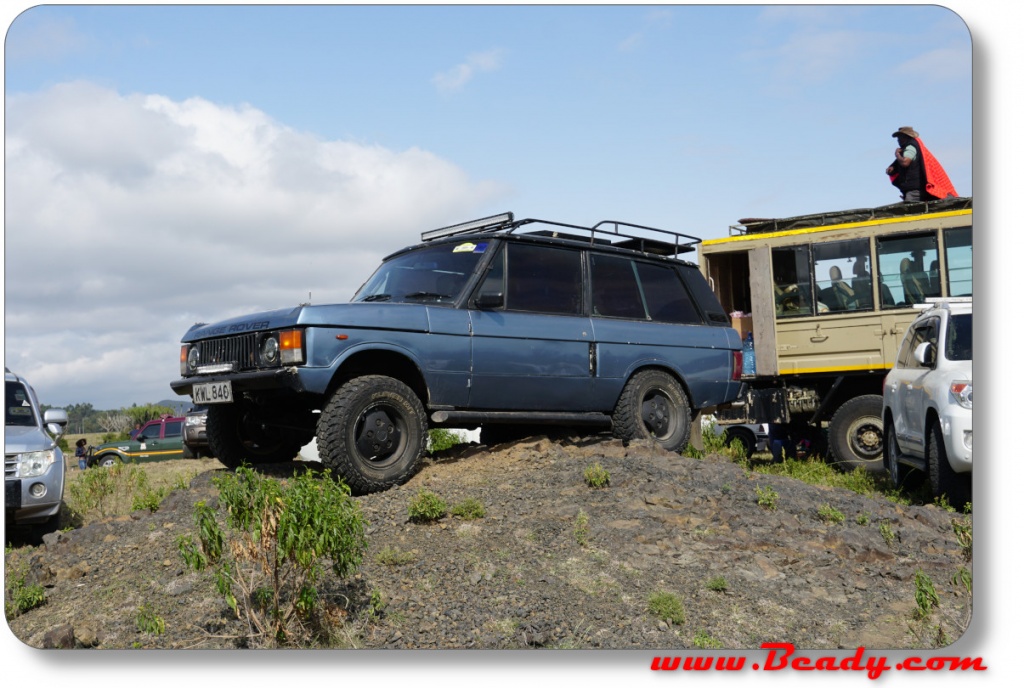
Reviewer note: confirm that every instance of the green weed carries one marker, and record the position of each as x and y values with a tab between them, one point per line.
704	641
885	528
469	509
596	476
389	556
667	607
766	497
427	506
829	514
924	594
148	621
581	528
717	584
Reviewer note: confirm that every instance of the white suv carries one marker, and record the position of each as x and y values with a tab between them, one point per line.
928	400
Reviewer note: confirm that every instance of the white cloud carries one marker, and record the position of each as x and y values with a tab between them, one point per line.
458	76
130	217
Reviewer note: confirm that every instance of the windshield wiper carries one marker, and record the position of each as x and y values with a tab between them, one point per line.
377	297
427	295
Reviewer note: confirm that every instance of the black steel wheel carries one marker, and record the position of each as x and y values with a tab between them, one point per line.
653	405
238	434
372	433
855	434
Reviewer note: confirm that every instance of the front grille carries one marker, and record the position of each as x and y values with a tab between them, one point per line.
242	350
10	464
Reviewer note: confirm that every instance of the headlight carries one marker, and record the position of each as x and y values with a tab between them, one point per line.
963	392
32	464
269	350
189	359
194	420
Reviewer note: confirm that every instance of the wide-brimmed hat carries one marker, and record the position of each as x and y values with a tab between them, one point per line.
906	131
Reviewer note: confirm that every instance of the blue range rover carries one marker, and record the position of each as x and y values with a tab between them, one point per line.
490	323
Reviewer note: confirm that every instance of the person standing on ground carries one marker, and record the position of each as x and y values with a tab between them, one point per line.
80	453
915	171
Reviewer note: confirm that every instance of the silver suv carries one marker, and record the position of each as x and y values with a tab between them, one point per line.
928	400
33	463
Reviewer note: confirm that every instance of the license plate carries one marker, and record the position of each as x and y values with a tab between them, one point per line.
212	393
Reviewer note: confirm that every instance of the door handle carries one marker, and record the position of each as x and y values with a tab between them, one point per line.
819	338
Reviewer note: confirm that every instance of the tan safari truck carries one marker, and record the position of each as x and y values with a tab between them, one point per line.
827	298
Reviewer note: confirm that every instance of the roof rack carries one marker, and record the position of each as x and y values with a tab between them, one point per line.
757	225
613	233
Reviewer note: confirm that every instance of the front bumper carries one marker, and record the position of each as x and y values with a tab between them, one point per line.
252	381
22	507
958	436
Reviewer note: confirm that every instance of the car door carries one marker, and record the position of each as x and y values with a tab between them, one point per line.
531	346
909	392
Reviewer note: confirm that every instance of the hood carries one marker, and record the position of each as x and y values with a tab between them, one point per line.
20	439
384	316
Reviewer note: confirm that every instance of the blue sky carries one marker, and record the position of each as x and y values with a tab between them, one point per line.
165	165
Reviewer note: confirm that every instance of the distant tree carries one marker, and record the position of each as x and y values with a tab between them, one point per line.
144	414
115	421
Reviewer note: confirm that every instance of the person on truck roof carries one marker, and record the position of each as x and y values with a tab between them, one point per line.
915	171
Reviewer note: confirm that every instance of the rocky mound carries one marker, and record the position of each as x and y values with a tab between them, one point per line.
552	563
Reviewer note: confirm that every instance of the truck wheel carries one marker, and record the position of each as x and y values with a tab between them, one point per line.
372	433
745	436
945	481
855	434
653	404
237	435
107	460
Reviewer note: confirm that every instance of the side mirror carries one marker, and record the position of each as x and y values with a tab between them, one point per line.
925	354
56	421
490	299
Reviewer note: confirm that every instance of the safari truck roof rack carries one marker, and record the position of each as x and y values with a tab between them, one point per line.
756	225
612	233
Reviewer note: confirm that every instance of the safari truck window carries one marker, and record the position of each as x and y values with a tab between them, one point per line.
909	267
791	273
959	261
616	292
842	275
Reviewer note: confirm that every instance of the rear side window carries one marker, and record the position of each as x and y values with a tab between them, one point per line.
666	297
705	298
172	429
616	293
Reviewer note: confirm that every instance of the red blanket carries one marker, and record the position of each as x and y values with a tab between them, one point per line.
936	181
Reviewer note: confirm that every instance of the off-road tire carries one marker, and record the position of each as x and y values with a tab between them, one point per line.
235	437
744	435
944	480
855	434
372	433
653	405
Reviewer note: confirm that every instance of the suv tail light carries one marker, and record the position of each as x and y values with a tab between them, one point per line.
737	364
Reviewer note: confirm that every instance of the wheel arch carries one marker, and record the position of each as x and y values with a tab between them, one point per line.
660	367
394	363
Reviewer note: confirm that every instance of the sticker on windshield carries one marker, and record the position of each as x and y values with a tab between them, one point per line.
464	248
480	248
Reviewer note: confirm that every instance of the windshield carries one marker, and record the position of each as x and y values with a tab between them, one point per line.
435	274
19	406
959	338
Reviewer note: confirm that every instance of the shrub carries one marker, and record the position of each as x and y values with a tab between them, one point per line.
441	439
427	506
110	491
389	556
581	528
280	535
717	584
596	476
924	594
147	621
766	497
667	607
829	514
21	598
469	509
705	641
